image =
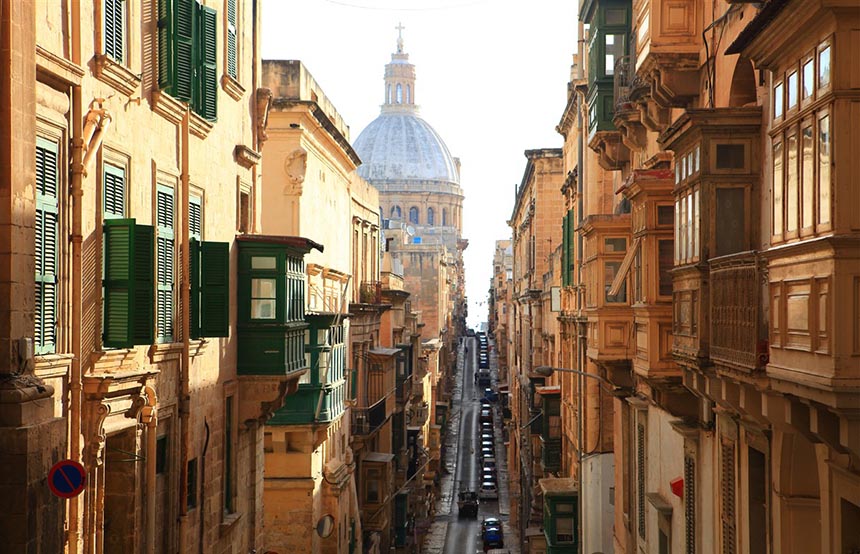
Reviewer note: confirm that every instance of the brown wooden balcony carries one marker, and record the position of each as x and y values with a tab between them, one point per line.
370	292
366	421
403	392
738	335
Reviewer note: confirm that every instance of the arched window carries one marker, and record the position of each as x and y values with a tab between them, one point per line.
388	94
408	94
444	216
395	212
431	219
413	215
399	94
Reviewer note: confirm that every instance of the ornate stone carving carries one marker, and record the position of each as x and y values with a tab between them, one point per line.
295	166
94	442
264	103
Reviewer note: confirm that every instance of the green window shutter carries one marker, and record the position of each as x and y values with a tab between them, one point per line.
214	289
195	217
194	297
113	183
232	62
207	74
565	273
128	283
47	210
165	246
114	30
165	45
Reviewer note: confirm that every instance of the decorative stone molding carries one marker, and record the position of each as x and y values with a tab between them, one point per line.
295	166
165	352
58	67
116	75
261	395
232	87
199	127
264	104
168	107
246	157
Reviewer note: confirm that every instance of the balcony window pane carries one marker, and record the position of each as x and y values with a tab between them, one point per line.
730	156
730	221
665	264
616	17
777	188
610	270
677	231
696	223
614	45
824	67
792	90
564	529
615	245
696	159
807	177
690	227
682	235
664	215
808	79
777	101
791	184
263	298
824	169
264	262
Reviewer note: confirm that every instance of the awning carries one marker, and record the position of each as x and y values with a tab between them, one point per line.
380	354
379	457
549	389
625	267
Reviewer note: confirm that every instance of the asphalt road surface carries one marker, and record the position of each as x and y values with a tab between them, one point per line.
463	535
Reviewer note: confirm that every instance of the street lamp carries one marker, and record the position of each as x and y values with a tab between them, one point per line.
546	371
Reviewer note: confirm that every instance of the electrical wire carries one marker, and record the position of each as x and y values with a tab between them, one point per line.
420	9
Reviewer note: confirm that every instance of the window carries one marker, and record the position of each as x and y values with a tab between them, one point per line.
408	94
664	248
665	215
564	522
373	478
229	492
263	298
807	176
232	53
431	218
128	283
808	79
730	221
792	90
187	43
730	156
114	30
610	270
399	93
687	226
824	66
777	101
161	455
191	484
164	251
614	52
47	231
244	216
615	245
444	217
777	188
413	215
824	169
113	193
195	217
791	199
210	289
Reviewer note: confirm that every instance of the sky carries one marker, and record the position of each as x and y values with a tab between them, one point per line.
491	78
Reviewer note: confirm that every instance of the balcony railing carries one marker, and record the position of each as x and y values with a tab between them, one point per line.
370	292
737	336
365	421
404	390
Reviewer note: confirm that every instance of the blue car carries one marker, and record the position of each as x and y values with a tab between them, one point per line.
492	537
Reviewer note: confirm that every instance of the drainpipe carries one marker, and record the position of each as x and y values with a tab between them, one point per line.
151	447
185	363
203	482
581	329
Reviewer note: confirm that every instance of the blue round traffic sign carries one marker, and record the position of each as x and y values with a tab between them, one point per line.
67	479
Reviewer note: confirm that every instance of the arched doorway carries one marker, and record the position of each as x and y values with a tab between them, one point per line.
743	87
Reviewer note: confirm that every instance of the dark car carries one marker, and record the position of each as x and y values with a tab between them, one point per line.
492	536
486	416
487	436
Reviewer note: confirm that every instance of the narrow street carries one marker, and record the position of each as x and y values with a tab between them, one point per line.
451	533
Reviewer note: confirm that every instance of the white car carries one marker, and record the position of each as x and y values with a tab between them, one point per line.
488	491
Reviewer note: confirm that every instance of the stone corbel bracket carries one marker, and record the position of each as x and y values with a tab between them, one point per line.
260	396
264	104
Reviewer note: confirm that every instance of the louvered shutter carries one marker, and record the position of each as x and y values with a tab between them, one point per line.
194	297
114	191
640	478
727	493
165	246
565	264
195	217
215	289
47	210
176	47
165	45
232	62
690	504
114	29
128	283
207	73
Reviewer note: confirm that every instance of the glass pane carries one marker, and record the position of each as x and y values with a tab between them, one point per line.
690	228
664	248
792	90
777	188
614	45
807	176
777	101
262	309
824	169
264	262
791	184
615	245
824	67
808	78
677	231
610	270
616	17
682	236
263	288
696	159
696	223
664	215
730	221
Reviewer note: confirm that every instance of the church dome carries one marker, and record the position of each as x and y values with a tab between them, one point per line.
400	146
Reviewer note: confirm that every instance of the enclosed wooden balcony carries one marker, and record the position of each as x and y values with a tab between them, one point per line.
377	487
738	330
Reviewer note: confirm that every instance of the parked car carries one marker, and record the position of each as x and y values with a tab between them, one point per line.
486	416
488	475
487	436
490	522
491	395
489	490
487	453
488	463
467	503
492	536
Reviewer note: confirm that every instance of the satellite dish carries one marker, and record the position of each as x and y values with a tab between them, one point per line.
325	526
410	230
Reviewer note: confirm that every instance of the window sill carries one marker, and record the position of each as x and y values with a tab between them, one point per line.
116	75
198	126
164	352
58	66
111	361
52	365
228	521
168	107
232	87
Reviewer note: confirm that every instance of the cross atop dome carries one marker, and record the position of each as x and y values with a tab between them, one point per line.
400	28
399	78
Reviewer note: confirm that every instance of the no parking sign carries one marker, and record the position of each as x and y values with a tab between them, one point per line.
67	479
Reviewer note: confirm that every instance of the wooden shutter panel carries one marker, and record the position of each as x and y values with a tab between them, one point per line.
565	271
165	45
207	72
165	246
727	496
690	504
194	297
47	210
128	283
215	289
232	62
195	217
640	478
114	29
114	191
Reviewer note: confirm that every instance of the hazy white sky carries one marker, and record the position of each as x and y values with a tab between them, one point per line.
491	78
